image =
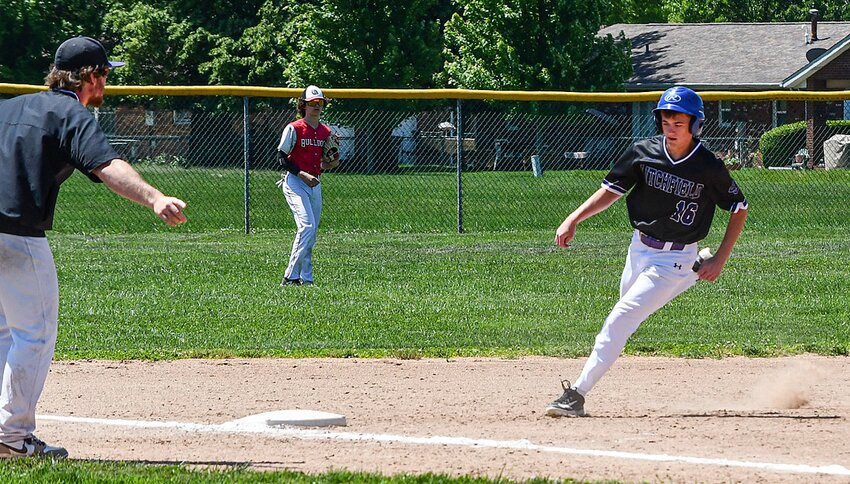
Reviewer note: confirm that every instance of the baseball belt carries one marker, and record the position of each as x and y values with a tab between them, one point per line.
650	241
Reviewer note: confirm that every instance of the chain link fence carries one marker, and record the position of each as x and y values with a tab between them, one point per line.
449	165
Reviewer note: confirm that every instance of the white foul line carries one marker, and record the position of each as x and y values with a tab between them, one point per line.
249	427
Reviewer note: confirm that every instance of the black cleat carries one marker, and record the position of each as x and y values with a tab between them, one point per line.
570	404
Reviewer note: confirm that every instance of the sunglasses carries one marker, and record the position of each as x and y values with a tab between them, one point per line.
316	104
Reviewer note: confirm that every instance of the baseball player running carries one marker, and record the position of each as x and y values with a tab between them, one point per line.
44	137
300	155
674	184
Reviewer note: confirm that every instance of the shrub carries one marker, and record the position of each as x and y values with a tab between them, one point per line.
838	126
171	161
779	144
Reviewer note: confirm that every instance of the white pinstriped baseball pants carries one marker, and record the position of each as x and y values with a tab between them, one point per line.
306	205
651	278
29	319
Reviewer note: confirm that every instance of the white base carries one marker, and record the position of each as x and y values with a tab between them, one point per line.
298	418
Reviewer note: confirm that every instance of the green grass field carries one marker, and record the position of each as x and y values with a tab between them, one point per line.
389	283
175	295
427	203
28	471
395	279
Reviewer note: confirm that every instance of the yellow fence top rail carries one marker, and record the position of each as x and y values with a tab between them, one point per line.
590	97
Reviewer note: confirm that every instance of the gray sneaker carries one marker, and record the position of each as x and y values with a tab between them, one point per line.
32	446
571	403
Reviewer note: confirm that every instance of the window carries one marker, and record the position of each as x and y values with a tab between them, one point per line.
724	118
780	113
183	116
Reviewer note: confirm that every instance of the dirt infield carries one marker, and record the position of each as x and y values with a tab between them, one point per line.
651	419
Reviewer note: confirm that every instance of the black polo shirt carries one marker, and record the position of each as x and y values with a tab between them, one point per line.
43	138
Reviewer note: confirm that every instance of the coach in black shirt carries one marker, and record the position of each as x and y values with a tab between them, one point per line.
44	137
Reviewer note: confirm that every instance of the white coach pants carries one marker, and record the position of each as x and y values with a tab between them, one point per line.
306	205
29	318
651	279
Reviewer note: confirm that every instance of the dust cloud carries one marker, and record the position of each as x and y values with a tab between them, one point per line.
786	387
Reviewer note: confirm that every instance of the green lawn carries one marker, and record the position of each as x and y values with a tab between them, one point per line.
27	471
394	277
427	202
217	294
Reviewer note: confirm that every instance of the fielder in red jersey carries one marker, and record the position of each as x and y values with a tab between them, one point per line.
300	155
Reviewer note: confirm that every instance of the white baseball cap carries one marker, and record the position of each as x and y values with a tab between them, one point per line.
313	92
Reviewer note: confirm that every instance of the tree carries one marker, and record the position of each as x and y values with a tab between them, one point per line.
541	45
635	12
31	30
357	43
259	55
227	18
159	49
688	11
834	10
712	11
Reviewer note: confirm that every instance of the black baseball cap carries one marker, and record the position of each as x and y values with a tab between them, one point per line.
80	52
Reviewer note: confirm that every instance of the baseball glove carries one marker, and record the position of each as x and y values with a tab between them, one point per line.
330	152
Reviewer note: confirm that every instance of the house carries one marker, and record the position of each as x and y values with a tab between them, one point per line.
744	57
140	134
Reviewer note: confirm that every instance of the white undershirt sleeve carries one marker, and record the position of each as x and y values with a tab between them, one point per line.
287	139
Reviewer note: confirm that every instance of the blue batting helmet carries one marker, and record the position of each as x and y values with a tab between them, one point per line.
683	100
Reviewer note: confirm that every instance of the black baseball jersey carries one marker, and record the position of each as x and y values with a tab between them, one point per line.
671	200
43	138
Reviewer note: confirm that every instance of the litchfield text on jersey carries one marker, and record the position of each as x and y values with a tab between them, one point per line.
681	187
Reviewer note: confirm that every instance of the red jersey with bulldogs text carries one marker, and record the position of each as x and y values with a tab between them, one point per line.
671	200
306	154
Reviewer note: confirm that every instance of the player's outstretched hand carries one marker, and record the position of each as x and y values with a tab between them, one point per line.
565	233
170	210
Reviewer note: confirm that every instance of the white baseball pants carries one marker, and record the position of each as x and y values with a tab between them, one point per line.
651	279
29	319
306	205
